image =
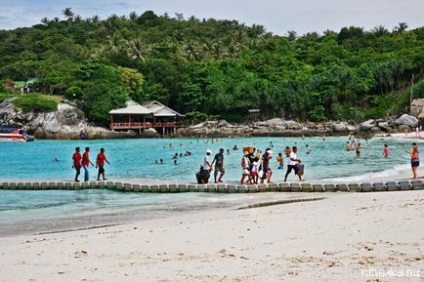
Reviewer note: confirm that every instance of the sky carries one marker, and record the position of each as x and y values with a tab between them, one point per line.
277	16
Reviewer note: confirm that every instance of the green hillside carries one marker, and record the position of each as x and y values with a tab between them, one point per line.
216	67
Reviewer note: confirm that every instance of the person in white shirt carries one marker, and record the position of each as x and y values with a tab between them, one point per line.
245	165
206	167
293	165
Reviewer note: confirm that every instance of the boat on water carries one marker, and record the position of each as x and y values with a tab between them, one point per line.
14	134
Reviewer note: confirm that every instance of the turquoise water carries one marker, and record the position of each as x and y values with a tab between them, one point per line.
135	158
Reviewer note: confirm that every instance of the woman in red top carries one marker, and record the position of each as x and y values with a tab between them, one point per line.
86	162
100	162
76	157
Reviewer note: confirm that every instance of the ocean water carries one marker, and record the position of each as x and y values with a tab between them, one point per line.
136	159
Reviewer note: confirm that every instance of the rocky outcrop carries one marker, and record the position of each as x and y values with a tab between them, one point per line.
281	127
66	123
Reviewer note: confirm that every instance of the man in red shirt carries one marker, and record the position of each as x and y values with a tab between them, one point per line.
86	162
76	157
100	162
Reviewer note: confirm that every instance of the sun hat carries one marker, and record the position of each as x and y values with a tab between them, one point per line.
269	151
208	152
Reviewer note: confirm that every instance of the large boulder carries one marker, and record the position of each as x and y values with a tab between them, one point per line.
367	125
339	127
275	122
407	120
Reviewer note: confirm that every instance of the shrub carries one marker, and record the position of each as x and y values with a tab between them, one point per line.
35	103
4	96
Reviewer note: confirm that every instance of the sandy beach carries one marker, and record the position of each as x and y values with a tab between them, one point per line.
343	237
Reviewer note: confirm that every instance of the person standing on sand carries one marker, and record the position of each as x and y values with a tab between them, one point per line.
100	162
415	160
86	162
76	157
219	165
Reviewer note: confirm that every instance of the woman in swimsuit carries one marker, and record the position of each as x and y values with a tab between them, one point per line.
415	160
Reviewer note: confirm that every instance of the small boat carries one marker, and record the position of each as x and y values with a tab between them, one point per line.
14	134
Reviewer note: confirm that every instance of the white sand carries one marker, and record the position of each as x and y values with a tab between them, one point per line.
345	237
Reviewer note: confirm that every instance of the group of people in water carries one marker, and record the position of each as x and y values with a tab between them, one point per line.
255	166
84	161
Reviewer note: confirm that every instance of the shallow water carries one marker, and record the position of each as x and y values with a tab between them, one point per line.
135	158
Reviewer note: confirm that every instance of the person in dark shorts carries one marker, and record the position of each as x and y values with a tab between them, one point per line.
415	160
293	165
100	162
219	165
76	157
267	172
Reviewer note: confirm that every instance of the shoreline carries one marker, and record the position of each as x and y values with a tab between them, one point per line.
341	238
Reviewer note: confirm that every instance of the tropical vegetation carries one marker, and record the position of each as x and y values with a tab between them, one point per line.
219	68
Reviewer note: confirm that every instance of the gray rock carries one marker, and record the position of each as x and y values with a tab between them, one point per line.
275	122
383	125
367	125
339	127
408	120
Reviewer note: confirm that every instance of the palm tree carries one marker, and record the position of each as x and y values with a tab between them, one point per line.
191	53
135	48
218	51
239	37
45	21
68	14
379	31
291	35
133	16
78	18
95	19
402	27
328	32
115	42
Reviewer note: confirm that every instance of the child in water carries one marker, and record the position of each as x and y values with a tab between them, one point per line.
358	150
386	151
280	161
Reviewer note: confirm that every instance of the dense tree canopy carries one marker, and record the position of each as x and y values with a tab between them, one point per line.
217	67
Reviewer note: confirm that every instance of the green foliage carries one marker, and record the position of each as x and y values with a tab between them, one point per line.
35	103
4	96
74	92
103	90
216	67
418	90
133	82
317	114
194	117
